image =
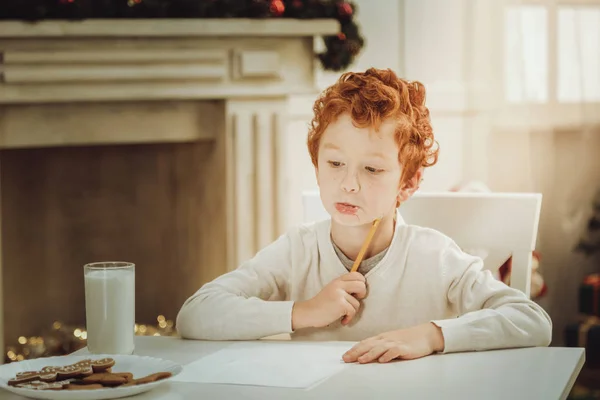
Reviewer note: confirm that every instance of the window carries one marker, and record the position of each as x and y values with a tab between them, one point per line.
526	54
563	30
578	54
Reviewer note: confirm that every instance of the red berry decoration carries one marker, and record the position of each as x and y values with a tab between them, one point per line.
277	8
345	10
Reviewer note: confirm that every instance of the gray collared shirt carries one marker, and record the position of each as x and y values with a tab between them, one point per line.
365	266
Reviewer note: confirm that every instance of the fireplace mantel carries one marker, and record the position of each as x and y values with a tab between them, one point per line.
152	28
121	60
204	99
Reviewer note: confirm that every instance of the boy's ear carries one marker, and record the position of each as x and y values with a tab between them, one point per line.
409	187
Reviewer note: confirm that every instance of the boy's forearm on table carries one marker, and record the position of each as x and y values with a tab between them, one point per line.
232	317
487	329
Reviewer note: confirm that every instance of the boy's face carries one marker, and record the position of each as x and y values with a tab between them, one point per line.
358	172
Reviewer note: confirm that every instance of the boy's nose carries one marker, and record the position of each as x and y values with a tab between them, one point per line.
350	183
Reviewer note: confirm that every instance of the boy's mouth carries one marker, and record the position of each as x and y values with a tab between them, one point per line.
346	208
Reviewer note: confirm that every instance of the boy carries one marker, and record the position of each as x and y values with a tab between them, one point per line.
415	293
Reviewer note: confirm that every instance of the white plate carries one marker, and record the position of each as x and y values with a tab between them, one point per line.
139	366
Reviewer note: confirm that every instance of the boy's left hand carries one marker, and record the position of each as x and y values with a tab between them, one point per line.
418	341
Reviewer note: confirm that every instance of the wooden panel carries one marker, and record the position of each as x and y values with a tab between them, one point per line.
111	65
256	64
133	69
159	206
112	56
171	28
257	177
42	125
264	182
14	74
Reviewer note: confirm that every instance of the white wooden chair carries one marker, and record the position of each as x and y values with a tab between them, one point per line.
501	224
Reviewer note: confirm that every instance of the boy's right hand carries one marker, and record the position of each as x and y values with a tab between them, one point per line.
339	299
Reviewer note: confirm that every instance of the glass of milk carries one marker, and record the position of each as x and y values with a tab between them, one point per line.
110	307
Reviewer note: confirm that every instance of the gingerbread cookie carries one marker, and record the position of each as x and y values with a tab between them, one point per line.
127	375
40	385
30	376
154	377
73	386
50	374
150	378
105	379
83	367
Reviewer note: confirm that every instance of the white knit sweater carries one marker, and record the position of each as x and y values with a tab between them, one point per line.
423	277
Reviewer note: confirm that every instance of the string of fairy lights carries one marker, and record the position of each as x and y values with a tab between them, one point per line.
63	339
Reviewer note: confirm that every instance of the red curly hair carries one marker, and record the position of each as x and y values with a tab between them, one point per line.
372	97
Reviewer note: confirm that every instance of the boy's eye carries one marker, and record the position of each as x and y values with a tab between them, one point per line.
373	170
335	163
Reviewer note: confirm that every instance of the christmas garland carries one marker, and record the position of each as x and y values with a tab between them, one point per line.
341	49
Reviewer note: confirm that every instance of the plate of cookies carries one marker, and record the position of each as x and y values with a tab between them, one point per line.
86	377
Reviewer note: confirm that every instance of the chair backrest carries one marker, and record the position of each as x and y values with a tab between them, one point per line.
501	224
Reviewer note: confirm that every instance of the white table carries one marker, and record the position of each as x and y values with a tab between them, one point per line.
531	373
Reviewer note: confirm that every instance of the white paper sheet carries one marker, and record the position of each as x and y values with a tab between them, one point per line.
277	364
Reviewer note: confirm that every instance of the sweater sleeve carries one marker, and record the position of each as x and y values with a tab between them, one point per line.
245	304
492	315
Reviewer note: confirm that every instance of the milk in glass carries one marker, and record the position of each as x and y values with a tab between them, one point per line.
110	307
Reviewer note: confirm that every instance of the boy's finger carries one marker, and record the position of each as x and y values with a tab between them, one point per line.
350	313
358	350
352	300
353	276
354	287
393	353
373	354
